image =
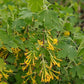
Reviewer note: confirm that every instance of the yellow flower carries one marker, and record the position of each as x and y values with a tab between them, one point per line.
58	64
58	72
55	41
57	58
47	76
15	50
39	55
9	71
40	42
35	58
51	75
33	63
57	77
50	46
33	81
37	48
25	53
6	75
50	65
23	68
24	82
66	33
42	80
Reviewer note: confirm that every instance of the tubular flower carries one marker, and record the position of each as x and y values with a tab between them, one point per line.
47	77
51	75
42	80
56	63
50	46
57	58
57	77
49	32
9	71
35	57
27	64
24	82
48	74
33	80
55	41
5	75
66	33
50	65
40	42
39	55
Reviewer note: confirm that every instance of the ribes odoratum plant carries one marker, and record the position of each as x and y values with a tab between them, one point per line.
40	42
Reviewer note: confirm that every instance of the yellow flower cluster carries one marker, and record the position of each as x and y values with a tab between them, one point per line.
15	50
47	75
54	62
16	53
40	42
28	73
30	58
66	33
3	52
3	74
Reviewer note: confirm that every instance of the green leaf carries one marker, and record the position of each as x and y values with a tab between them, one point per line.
8	48
68	51
2	64
11	7
50	19
81	45
35	5
25	14
19	43
10	59
80	71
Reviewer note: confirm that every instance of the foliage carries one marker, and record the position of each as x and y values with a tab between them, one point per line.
40	42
